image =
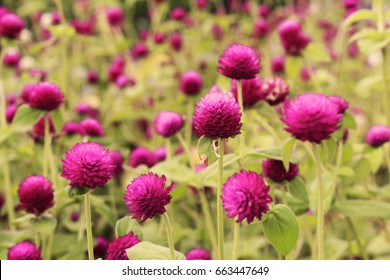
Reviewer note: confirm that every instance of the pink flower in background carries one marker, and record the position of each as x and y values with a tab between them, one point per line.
92	127
117	160
24	250
191	83
274	169
293	39
11	26
115	16
251	91
72	128
168	123
277	65
45	96
274	90
117	248
141	155
378	135
198	254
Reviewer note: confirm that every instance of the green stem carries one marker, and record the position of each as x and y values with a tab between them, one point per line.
49	246
187	150
221	148
46	146
209	222
3	103
168	147
385	77
88	224
8	192
241	103
355	235
236	238
320	207
171	244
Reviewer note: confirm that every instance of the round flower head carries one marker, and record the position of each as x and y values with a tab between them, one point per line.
24	250
147	196
74	216
36	194
178	13
45	96
117	248
245	195
160	154
378	135
202	4
198	254
26	92
123	81
115	16
83	109
11	59
341	103
274	169
1	200
84	27
72	128
311	117
168	123
92	127
87	164
10	26
141	155
116	68
159	38
191	83
10	113
277	65
117	160
217	31
176	41
217	115
293	39
239	62
139	50
260	29
251	91
92	77
100	248
38	130
275	90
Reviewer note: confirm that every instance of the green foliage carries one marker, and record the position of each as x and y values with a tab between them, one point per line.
125	225
149	251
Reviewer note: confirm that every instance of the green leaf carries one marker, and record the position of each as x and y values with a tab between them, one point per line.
363	208
298	190
286	152
375	157
44	224
125	225
26	117
359	15
72	192
281	228
349	121
98	204
204	147
57	119
272	153
316	52
149	251
175	171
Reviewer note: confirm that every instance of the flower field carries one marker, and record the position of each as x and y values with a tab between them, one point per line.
194	130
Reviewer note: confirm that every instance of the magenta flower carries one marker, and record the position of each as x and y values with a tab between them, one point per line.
378	135
11	59
251	91
84	27
116	68
87	165
147	196
123	81
277	65
245	196
38	130
1	200
178	13
93	77
168	123
293	39
141	155
100	248
45	96
139	50
72	128
341	103
274	169
202	4
74	216
239	62
191	83
55	18
115	16
117	160
159	38
36	194
198	254
11	26
24	250
217	32
311	117
117	248
10	113
83	109
275	90
92	127
264	11
160	154
260	29
176	41
217	115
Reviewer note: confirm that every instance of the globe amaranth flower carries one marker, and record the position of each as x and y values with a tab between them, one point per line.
116	68
36	194
74	216
73	128
92	127
141	155
202	4
117	248
341	103
45	96
84	27
123	81
117	160
178	13
275	90
293	39
139	50
115	16
311	117
191	83
378	135
160	154
277	65
84	109
11	26
198	254
168	123
251	91
92	77
87	165
10	112
11	59
245	196
217	115
217	31
159	38
147	196
176	41
38	130
239	62
274	169
100	248
24	250
260	29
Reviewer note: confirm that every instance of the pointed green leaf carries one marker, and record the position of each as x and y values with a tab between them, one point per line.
149	251
286	153
125	225
359	15
26	117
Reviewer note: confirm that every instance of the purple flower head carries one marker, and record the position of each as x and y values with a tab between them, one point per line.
45	96
92	127
260	29
159	38
123	81
160	154
38	73
147	196
11	26
311	117
74	216
264	11
351	4
87	165
198	254
168	123
178	13
117	248
11	59
100	248
176	41
83	109
202	4
275	90
117	160
274	169
245	195
93	77
24	250
36	194
293	39
139	50
141	155
10	113
251	91
84	27
191	83
378	135
27	90
217	32
55	18
341	103
72	128
239	62
116	68
277	65
115	16
38	130
217	115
